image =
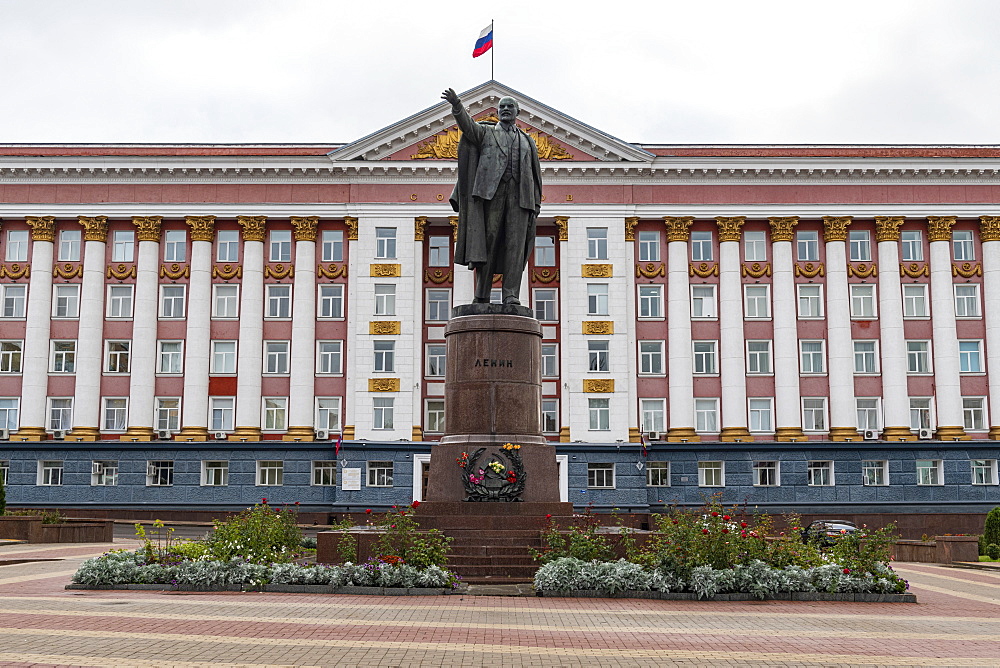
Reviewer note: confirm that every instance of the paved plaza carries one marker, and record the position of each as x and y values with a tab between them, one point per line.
956	623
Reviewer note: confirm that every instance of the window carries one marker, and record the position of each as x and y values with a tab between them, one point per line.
331	300
159	473
168	414
438	304
597	299
270	473
970	357
329	357
703	301
104	473
385	243
649	246
915	301
918	356
865	357
550	416
50	473
222	410
967	301
658	474
214	473
651	357
984	471
759	357
328	413
711	474
69	246
920	413
385	300
223	357
279	301
332	246
227	246
382	410
385	356
599	411
860	243
811	357
324	473
701	246
66	301
961	246
550	360
597	353
545	305
438	252
874	473
380	474
115	414
60	414
862	301
118	355
755	246
225	301
10	356
819	474
704	357
756	302
814	414
435	416
868	414
913	245
929	472
650	301
545	252
807	245
119	301
14	298
170	355
174	245
597	243
761	415
974	413
4	471
276	357
275	413
706	415
172	301
17	246
123	246
437	359
9	413
280	246
600	476
765	474
653	415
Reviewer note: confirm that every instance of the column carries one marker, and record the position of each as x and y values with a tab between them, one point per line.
90	336
197	339
142	385
635	421
989	235
732	360
565	433
895	393
947	381
38	314
250	349
840	349
679	361
302	371
417	342
787	413
353	265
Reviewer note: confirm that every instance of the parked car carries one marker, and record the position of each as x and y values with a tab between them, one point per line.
825	531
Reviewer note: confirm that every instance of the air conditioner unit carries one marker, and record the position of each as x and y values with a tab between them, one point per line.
164	434
653	436
870	435
59	434
322	434
96	468
925	434
220	435
4	434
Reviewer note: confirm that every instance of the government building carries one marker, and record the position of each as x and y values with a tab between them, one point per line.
807	328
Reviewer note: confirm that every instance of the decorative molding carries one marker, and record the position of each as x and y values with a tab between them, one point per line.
835	228
453	221
95	228
939	227
989	228
730	227
228	271
562	222
914	269
756	269
678	227
887	228
967	269
331	270
305	227
599	327
121	271
545	275
650	269
783	227
352	227
202	227
862	270
148	228
419	223
597	271
810	269
279	271
253	227
497	278
604	385
67	270
383	384
703	269
444	146
438	276
384	270
385	327
15	271
630	224
43	228
175	271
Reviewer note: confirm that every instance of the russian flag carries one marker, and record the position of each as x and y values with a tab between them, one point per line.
485	41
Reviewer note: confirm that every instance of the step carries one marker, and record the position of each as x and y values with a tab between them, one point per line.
496	571
488	550
456	561
496	541
497	580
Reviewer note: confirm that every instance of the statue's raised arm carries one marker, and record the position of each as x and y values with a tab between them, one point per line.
452	97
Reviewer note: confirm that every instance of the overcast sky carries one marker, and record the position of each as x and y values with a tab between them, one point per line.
657	71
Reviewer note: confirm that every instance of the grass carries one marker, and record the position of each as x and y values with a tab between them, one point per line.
983	557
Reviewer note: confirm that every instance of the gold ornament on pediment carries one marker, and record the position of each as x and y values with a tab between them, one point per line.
599	327
603	385
544	275
305	227
678	227
95	228
783	227
810	269
202	227
67	270
383	384
227	272
148	227
914	269
15	271
967	269
384	270
862	270
352	227
453	221
419	223
43	228
497	278
989	228
630	224
703	269
597	271
548	149
730	227
939	227
650	269
121	271
887	227
175	271
835	227
385	327
444	145
562	223
279	271
438	276
332	270
756	269
253	227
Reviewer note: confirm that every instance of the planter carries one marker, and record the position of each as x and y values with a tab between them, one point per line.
687	596
941	550
277	589
18	527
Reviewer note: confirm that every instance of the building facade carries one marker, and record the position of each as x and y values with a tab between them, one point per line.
777	319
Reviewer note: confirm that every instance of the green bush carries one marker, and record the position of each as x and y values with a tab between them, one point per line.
261	535
578	541
993	551
991	530
402	540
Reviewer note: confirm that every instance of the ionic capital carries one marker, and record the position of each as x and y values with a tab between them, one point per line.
43	228
202	227
730	227
678	227
835	227
95	228
782	227
305	227
253	227
939	227
887	228
148	226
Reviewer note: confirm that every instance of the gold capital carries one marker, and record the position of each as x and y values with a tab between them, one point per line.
202	227
887	227
835	227
730	227
253	227
305	227
989	228
562	222
419	223
678	227
149	227
939	227
782	227
630	224
352	227
95	228
43	228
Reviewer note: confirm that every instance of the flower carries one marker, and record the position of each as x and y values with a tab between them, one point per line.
548	516
725	531
847	571
715	514
264	500
296	503
726	517
496	466
704	530
368	512
743	524
415	504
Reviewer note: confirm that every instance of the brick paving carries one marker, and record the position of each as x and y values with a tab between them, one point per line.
956	623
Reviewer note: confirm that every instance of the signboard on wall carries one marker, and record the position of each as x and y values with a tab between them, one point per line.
350	480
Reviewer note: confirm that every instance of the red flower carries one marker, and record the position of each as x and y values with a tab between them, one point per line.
847	571
393	526
264	500
549	516
296	503
368	512
704	530
415	504
743	524
715	514
726	517
725	531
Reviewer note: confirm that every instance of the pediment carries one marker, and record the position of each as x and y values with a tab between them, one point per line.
432	134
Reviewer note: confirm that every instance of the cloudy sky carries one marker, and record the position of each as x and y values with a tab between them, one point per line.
653	71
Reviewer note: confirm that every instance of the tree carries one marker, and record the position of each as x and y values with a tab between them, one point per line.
991	530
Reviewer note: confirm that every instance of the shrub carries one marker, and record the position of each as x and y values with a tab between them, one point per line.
991	530
864	550
261	534
579	541
993	551
402	539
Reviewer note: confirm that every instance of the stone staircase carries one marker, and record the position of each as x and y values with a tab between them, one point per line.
497	557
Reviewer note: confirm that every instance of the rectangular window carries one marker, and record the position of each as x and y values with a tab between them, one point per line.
50	473
385	356
223	357
918	357
756	301
170	356
172	301
597	243
974	413
984	471
438	305
385	300
279	246
649	246
545	252
119	301
913	245
329	356
550	416
438	252
755	246
276	357
704	357
222	411
550	360
915	301
599	411
967	301
10	356
658	474
865	357
60	414
324	473
761	415
862	301
275	413
69	246
820	474
759	357
711	474
814	414
331	300
545	305
214	473
168	414
14	298
66	301
118	356
703	301
123	246
437	360
328	413
653	415
874	473
385	243
159	473
600	476
811	357
962	246
270	473
706	415
701	246
920	413
333	246
382	413
104	473
9	409
174	245
597	353
435	416
227	246
597	299
225	301
868	414
380	474
650	301
765	474
17	246
651	357
929	472
4	471
279	300
970	356
807	245
860	243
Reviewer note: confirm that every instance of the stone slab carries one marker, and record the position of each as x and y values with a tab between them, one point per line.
491	309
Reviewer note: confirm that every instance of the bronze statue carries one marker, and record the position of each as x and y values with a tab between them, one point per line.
497	197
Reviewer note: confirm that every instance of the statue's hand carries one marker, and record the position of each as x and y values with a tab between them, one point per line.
452	97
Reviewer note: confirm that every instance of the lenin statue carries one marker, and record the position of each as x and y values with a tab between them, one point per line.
497	197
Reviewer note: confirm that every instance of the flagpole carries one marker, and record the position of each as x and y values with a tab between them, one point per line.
492	50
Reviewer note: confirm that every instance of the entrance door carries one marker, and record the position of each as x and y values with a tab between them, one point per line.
425	473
